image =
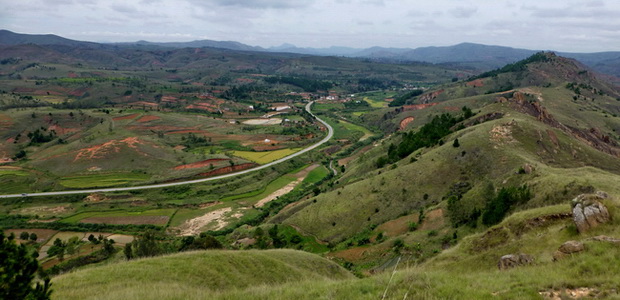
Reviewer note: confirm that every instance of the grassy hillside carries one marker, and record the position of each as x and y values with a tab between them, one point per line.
473	262
196	275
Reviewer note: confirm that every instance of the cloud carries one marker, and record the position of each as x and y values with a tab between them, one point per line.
257	4
123	8
463	12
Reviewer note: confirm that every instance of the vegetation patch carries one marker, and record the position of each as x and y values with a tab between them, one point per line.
266	156
154	216
103	180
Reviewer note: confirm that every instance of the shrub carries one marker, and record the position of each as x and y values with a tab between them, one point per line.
498	207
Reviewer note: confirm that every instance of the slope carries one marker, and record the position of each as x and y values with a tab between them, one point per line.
570	143
195	275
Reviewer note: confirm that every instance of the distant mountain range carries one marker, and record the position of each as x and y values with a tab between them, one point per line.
477	56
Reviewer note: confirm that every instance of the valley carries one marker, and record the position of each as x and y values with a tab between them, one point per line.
143	171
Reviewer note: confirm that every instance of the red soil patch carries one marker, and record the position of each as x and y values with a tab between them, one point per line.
451	108
434	220
23	90
142	103
418	106
186	131
201	107
5	120
78	92
405	122
169	99
200	164
553	138
475	83
99	151
134	220
228	169
127	117
397	226
72	75
148	118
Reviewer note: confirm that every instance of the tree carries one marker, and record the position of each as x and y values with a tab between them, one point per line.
19	266
24	236
456	143
128	251
33	237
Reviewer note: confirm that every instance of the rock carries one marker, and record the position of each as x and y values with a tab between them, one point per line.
604	238
589	212
514	260
571	247
527	168
568	248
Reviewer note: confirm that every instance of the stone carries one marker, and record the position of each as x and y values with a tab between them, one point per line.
589	212
604	238
514	260
571	247
568	248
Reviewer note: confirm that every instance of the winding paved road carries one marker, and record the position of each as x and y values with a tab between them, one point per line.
330	133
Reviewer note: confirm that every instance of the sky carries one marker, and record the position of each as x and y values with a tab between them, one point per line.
561	25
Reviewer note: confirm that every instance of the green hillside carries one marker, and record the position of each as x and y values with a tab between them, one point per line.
196	275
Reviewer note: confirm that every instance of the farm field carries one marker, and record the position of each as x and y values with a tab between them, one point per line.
265	156
354	127
103	180
154	217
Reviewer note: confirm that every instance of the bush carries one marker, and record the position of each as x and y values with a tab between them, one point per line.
498	207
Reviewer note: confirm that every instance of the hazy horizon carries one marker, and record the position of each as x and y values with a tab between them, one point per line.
568	26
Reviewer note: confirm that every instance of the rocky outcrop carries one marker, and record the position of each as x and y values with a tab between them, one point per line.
514	260
568	248
589	212
430	96
607	239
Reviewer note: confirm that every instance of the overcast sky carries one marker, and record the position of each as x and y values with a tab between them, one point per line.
563	25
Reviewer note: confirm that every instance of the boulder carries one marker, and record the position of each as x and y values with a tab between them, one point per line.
589	212
514	260
568	248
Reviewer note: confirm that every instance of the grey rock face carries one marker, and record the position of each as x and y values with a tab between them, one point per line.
589	212
514	260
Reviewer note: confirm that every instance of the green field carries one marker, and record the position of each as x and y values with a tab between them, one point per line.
376	103
266	156
353	127
119	213
316	175
254	196
102	180
12	172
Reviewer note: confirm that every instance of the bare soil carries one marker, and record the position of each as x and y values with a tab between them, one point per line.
200	164
287	188
127	117
194	226
405	122
148	118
